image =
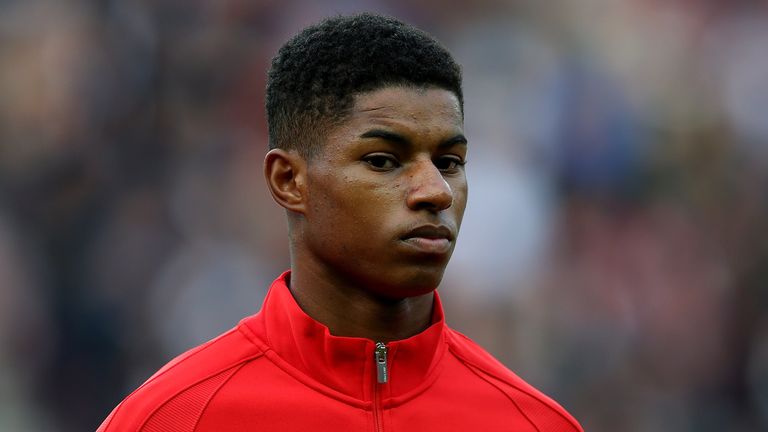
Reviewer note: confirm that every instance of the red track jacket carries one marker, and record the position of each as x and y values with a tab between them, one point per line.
280	370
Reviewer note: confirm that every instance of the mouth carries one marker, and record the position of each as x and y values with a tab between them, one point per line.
430	239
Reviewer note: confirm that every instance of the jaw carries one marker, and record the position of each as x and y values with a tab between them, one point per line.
398	279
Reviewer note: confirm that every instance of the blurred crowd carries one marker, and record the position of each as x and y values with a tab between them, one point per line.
614	252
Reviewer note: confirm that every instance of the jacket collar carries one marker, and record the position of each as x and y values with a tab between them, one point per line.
346	364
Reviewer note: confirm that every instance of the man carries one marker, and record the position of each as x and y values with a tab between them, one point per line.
367	157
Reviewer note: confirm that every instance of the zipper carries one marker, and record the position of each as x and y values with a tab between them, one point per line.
382	376
380	354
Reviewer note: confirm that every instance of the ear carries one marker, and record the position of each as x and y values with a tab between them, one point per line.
286	174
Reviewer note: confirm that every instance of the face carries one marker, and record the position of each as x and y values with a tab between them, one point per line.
386	195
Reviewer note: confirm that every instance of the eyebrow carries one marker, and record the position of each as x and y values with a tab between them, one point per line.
400	140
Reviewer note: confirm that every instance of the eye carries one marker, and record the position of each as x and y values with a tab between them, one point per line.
381	162
449	163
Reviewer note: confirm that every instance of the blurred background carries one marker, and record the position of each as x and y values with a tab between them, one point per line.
614	251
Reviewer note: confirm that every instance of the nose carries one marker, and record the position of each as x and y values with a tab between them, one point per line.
428	189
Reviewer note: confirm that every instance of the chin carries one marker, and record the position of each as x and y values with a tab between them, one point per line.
413	283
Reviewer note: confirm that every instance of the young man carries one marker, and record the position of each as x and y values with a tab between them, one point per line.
367	157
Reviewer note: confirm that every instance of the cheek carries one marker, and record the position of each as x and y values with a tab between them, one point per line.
460	195
349	207
350	222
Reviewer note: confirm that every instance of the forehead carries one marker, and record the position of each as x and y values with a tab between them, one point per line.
415	110
422	104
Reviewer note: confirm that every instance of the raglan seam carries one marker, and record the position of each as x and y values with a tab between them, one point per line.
189	355
153	379
215	392
545	402
240	362
252	337
472	369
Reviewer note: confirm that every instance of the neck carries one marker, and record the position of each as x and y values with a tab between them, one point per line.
348	309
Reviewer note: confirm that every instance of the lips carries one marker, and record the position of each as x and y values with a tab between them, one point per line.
430	232
430	239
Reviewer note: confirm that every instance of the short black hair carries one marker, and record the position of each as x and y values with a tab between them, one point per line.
316	74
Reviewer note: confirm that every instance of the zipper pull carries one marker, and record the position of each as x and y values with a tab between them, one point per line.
380	354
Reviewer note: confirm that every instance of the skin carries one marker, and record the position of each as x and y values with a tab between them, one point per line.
395	164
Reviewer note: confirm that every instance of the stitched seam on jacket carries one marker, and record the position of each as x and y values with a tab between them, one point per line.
240	362
214	393
546	403
472	369
155	377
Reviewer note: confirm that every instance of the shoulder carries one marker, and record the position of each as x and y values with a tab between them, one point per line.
180	390
541	410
